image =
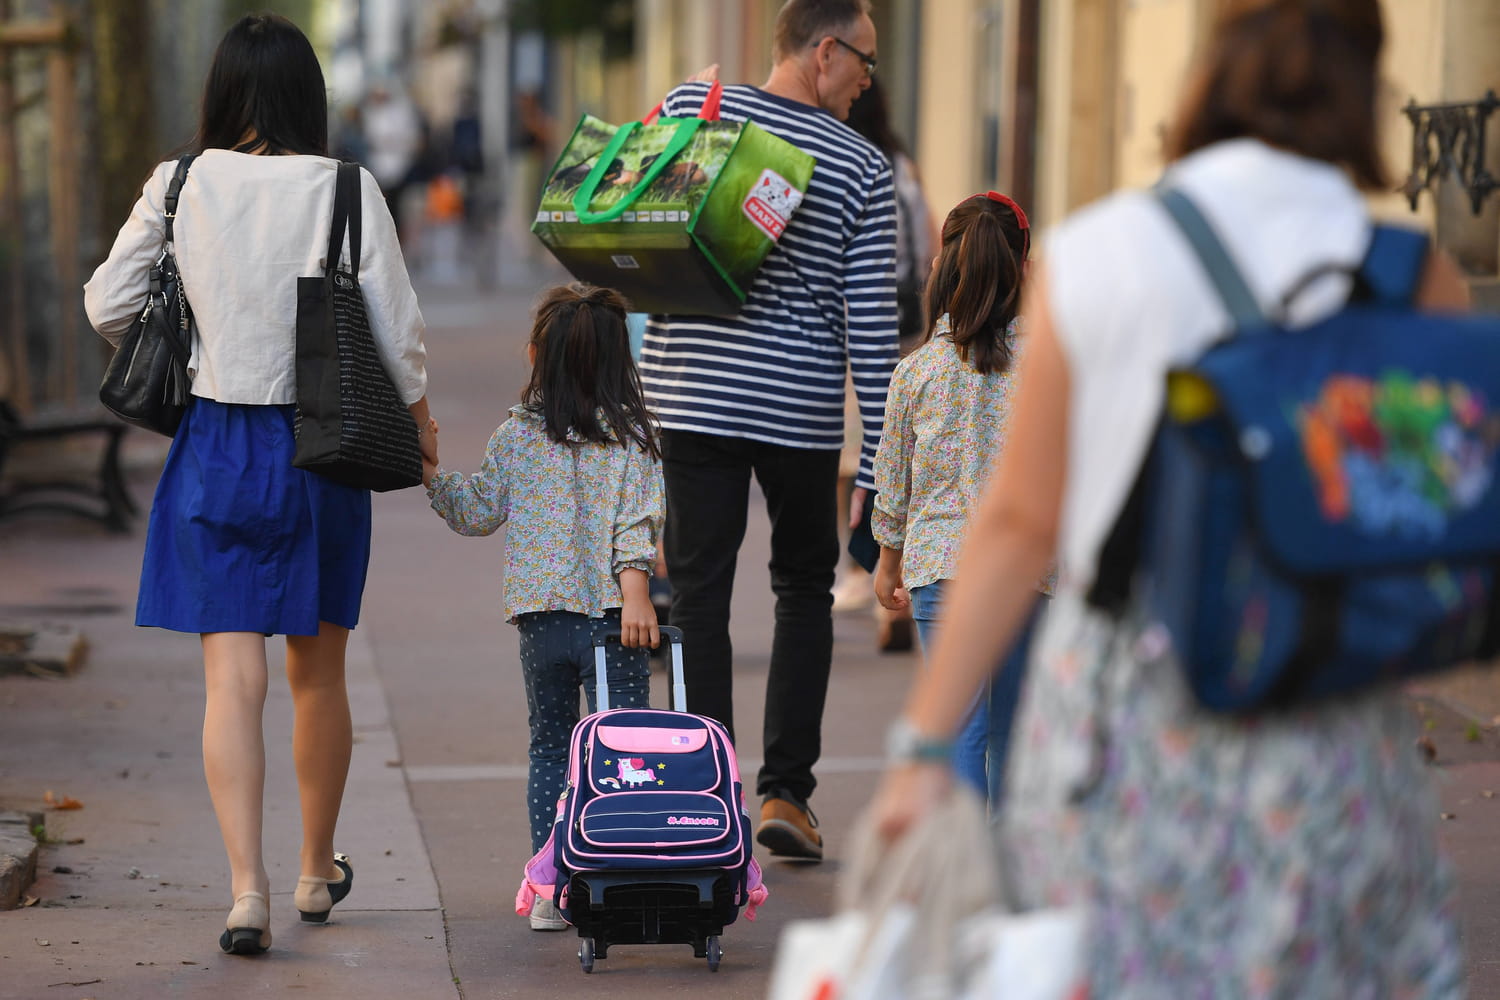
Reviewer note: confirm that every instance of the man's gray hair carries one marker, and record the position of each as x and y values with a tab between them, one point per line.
804	23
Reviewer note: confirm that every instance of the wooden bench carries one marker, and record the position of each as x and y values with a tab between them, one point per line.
104	499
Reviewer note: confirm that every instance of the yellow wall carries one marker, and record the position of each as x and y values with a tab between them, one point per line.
948	147
1113	73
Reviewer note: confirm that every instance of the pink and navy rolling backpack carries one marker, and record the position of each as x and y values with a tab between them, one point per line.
652	839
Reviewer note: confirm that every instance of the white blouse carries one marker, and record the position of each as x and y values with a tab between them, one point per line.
247	228
1129	300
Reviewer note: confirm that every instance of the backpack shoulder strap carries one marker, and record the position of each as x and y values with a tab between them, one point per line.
1213	255
1392	268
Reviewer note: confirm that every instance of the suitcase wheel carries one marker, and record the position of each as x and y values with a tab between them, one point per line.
586	954
714	953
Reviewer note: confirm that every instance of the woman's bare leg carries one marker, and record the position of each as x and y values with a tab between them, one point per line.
234	750
322	739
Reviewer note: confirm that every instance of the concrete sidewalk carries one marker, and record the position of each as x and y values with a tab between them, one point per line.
133	887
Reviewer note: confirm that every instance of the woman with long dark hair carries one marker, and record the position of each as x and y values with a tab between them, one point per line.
1287	854
240	544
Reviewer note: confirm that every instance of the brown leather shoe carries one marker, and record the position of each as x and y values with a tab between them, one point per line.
788	829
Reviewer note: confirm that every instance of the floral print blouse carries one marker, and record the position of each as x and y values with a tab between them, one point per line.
944	427
579	514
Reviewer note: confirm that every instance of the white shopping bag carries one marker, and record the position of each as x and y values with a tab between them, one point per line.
843	957
921	919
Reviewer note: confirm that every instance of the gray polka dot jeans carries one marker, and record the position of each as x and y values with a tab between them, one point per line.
557	658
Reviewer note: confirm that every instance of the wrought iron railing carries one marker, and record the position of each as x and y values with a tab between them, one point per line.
1448	140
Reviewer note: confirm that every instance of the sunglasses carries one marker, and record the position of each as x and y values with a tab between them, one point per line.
864	57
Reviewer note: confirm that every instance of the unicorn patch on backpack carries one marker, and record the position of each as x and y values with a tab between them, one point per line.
632	773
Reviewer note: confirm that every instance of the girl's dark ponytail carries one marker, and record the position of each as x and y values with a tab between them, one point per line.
977	279
584	382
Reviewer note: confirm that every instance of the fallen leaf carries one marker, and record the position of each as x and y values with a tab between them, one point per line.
1428	749
66	802
1449	815
42	943
30	901
1488	795
74	842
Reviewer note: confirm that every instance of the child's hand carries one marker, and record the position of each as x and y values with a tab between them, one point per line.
429	473
890	589
637	614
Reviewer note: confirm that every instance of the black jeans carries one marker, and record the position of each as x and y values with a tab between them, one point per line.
708	491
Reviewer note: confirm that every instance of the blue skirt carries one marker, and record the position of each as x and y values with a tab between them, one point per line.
239	541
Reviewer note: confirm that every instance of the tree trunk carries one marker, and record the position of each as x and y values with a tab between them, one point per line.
128	143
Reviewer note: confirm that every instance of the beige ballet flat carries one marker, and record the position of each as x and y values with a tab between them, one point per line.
248	929
315	896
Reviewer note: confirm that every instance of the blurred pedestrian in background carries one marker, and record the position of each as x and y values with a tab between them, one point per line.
394	137
1292	854
240	544
945	422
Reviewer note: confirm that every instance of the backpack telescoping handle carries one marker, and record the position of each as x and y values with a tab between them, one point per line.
672	636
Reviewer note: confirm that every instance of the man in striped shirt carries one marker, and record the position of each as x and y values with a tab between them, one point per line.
761	394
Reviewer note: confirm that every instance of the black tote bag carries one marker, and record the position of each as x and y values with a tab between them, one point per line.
351	425
146	382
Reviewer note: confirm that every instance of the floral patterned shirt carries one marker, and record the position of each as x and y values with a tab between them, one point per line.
579	514
944	428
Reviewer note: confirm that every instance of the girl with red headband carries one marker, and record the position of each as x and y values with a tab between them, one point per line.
945	422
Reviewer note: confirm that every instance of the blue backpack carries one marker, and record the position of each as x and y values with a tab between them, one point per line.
1318	511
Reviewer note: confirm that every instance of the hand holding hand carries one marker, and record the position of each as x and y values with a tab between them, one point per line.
427	438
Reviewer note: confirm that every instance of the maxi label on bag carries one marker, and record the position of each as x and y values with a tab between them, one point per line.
770	203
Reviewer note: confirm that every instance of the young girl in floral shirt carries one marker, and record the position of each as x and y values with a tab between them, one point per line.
576	474
945	422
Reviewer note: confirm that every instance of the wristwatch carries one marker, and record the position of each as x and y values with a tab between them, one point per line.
904	744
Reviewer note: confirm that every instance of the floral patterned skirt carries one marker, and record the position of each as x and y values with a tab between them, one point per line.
1293	856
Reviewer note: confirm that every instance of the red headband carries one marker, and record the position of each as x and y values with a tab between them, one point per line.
1009	203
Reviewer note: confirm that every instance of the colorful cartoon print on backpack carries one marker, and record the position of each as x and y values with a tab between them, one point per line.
1398	456
632	772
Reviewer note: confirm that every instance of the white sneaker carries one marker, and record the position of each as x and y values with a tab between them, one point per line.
544	916
855	592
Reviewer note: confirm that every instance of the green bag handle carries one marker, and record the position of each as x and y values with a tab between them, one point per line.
686	129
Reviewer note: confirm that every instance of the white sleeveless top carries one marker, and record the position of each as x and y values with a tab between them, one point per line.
1129	300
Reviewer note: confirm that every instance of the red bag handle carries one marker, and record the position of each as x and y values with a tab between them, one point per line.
709	112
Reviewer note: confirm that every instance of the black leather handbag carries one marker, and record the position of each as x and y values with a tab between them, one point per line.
351	425
146	382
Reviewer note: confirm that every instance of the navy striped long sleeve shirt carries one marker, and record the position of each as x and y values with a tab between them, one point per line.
824	299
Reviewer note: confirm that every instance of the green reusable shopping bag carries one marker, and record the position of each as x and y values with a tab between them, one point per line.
676	214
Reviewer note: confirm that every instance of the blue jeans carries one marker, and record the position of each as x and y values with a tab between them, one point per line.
982	745
557	658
